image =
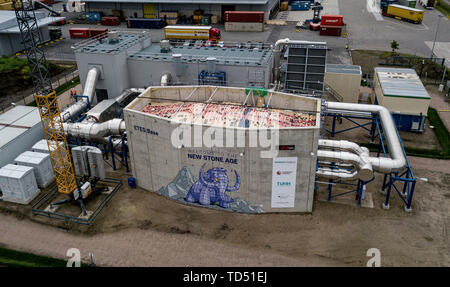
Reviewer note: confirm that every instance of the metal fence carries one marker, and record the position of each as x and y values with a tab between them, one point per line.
57	81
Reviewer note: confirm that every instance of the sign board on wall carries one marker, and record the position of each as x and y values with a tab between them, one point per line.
284	173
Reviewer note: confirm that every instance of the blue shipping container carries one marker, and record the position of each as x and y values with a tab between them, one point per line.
93	16
142	23
300	6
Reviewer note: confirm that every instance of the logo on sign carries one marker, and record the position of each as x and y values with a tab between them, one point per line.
284	172
283	183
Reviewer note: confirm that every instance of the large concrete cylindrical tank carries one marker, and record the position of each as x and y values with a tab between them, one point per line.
199	145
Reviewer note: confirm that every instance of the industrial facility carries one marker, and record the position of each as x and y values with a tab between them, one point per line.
130	60
153	8
146	104
167	87
10	38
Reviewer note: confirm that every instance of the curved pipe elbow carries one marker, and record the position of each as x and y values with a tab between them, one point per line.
398	160
166	79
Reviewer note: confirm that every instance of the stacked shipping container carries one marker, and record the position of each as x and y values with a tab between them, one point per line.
331	25
244	21
142	23
110	21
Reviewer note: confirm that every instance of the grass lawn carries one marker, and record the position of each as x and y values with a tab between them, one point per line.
13	258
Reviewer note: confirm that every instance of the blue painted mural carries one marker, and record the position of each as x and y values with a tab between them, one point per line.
209	190
211	186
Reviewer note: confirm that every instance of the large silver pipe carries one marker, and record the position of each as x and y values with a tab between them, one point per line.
397	161
333	174
89	91
95	131
344	145
166	79
363	166
277	56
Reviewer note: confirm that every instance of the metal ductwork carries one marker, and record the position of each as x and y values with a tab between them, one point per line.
276	57
166	79
397	162
89	91
362	164
95	131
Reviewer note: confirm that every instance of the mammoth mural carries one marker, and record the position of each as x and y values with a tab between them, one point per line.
211	186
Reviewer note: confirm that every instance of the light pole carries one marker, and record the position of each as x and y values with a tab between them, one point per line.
435	36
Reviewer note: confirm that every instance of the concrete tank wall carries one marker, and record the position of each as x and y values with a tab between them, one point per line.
171	171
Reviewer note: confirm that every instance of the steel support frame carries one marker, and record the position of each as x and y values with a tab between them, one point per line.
403	183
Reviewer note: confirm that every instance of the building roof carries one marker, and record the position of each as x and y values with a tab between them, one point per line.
8	22
224	56
104	46
15	171
403	83
406	8
17	121
343	69
31	157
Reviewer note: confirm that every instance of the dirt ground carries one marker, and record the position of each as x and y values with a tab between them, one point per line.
142	228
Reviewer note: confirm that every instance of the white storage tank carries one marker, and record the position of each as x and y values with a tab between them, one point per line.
42	165
18	183
20	127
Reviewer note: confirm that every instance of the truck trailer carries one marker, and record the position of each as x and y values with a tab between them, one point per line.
192	32
403	13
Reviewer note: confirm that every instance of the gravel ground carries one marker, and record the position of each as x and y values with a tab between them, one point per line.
137	247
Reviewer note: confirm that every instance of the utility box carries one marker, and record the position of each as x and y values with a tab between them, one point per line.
88	161
80	160
18	184
42	147
42	165
96	163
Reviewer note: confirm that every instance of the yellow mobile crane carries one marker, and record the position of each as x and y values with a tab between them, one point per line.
48	108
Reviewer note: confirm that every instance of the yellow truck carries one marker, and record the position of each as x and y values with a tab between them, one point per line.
192	32
404	13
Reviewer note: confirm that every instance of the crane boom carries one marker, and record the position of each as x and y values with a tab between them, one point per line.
46	98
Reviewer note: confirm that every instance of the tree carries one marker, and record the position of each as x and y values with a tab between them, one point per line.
394	46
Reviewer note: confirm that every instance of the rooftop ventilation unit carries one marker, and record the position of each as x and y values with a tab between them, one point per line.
165	46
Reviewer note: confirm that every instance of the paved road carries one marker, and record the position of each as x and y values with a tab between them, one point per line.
370	31
136	247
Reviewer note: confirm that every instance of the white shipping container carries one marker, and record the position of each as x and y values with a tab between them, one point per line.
20	127
42	165
244	27
18	184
